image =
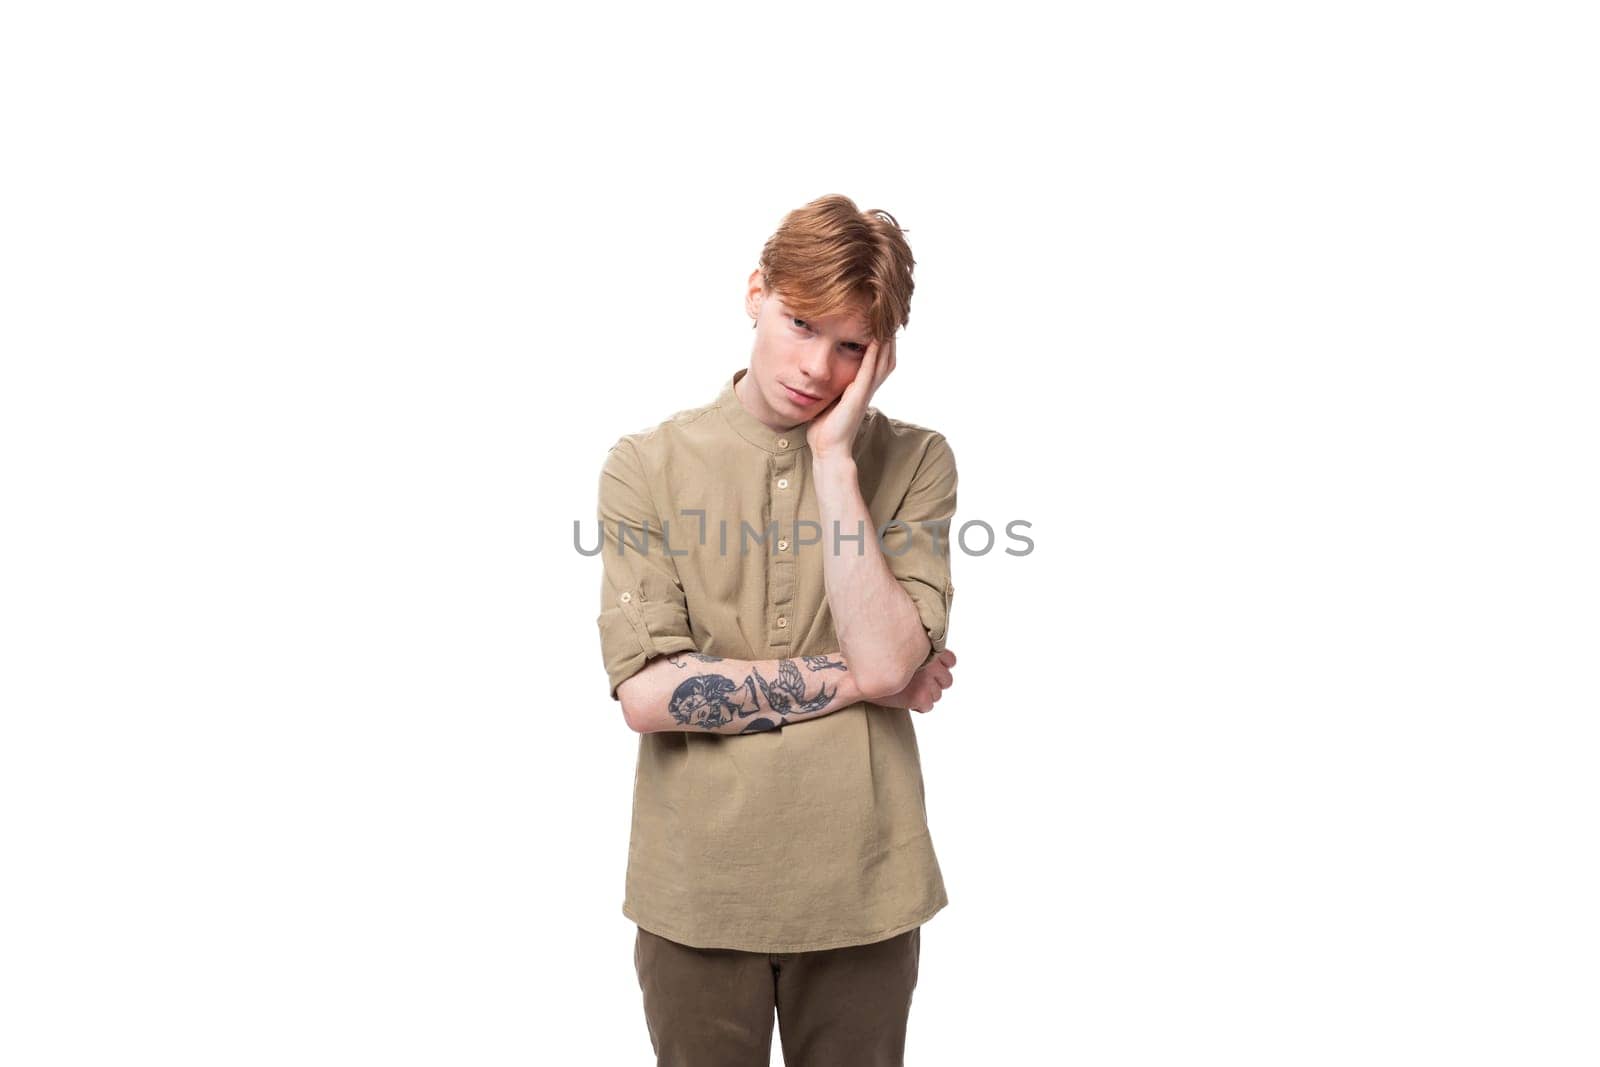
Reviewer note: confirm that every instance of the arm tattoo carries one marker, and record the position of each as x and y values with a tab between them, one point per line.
713	700
676	659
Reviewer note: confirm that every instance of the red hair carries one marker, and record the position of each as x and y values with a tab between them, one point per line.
828	257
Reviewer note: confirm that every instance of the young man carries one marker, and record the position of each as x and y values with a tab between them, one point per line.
768	645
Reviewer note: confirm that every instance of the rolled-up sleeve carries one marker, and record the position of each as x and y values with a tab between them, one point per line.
917	547
643	610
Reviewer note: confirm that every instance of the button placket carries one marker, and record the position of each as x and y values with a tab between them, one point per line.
780	567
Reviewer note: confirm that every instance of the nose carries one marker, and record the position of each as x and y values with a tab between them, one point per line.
814	363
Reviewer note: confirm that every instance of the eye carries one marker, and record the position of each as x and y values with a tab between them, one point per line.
802	324
859	350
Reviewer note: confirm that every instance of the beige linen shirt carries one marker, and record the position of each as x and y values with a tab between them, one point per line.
814	835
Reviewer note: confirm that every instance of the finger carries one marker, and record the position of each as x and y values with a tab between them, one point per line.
870	374
948	658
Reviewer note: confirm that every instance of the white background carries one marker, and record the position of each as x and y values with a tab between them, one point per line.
1276	321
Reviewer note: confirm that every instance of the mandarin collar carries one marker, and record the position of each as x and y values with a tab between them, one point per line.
759	434
752	429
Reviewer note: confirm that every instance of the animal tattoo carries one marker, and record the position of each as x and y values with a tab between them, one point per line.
710	700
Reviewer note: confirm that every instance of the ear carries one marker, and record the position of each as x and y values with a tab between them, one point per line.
754	293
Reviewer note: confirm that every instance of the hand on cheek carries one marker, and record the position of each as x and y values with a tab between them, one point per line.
833	431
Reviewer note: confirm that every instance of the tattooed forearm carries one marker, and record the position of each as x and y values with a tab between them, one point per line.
715	701
694	692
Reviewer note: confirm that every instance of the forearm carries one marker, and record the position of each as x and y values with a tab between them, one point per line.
877	623
691	692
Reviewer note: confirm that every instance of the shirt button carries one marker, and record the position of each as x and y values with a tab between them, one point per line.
783	483
627	597
783	442
783	546
782	622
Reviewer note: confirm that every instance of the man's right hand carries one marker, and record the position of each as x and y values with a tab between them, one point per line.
927	685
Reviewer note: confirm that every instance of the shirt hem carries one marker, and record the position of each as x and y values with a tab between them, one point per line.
693	941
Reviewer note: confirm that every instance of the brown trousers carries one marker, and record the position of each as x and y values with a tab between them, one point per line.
838	1007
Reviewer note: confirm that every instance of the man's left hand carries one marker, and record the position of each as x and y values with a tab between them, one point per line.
833	432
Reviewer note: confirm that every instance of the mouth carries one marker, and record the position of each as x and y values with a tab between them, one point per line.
797	397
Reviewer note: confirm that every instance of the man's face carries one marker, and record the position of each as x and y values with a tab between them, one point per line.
817	357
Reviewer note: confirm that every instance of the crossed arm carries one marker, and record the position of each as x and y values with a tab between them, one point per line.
876	621
690	691
884	646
